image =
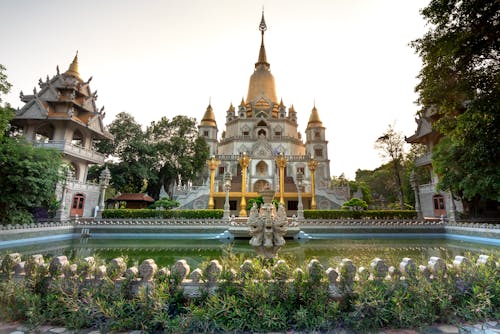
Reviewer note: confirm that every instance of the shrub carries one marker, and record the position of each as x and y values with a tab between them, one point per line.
365	214
355	204
256	304
162	214
164	203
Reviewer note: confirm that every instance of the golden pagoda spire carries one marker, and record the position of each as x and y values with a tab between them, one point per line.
73	68
314	120
262	52
209	117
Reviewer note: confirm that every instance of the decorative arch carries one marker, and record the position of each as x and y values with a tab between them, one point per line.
44	133
262	123
78	138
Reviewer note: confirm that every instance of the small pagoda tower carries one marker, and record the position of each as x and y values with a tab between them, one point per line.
208	129
317	145
63	115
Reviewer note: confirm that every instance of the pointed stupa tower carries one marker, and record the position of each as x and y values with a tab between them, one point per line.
208	129
316	143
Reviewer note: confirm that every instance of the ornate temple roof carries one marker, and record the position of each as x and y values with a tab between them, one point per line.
64	97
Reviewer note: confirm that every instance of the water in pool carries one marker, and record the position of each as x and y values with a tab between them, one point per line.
165	251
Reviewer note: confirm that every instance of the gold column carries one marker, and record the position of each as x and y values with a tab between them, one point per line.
212	164
244	162
312	164
281	162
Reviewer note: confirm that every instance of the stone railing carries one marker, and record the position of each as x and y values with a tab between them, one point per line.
154	222
239	221
371	222
74	150
42	225
340	279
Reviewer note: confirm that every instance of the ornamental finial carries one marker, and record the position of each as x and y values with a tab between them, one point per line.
262	25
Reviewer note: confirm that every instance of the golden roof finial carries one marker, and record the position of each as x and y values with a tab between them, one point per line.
73	67
209	117
314	120
262	52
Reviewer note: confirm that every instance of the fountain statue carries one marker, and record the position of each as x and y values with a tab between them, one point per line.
267	226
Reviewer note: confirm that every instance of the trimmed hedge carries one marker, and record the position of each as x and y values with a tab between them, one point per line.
164	214
364	214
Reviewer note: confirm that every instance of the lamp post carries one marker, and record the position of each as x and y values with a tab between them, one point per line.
281	162
300	207
212	164
244	162
313	164
227	188
104	178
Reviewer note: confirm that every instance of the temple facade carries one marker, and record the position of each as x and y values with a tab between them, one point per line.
63	115
261	149
430	202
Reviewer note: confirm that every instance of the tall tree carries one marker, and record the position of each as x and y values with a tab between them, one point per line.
29	175
178	150
460	81
28	179
131	164
6	112
391	146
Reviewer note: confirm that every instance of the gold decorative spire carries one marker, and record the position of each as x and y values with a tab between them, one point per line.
262	81
209	117
73	68
262	52
314	120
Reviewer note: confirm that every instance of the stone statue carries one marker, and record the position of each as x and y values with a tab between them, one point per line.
267	227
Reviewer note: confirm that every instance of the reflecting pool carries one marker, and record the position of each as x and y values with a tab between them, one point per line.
329	250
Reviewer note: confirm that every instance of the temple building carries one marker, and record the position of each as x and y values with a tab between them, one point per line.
429	202
261	148
63	115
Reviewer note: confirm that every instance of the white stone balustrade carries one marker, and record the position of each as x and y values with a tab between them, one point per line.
340	280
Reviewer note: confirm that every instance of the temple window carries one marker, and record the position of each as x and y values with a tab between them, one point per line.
318	152
205	133
277	133
300	170
317	135
221	170
246	133
261	133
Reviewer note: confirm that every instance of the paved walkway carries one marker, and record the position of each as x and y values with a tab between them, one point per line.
490	327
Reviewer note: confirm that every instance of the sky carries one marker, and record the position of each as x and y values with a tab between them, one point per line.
156	58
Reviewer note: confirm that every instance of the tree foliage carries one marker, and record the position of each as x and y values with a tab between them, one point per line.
146	160
355	204
177	150
6	112
28	179
459	82
391	146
